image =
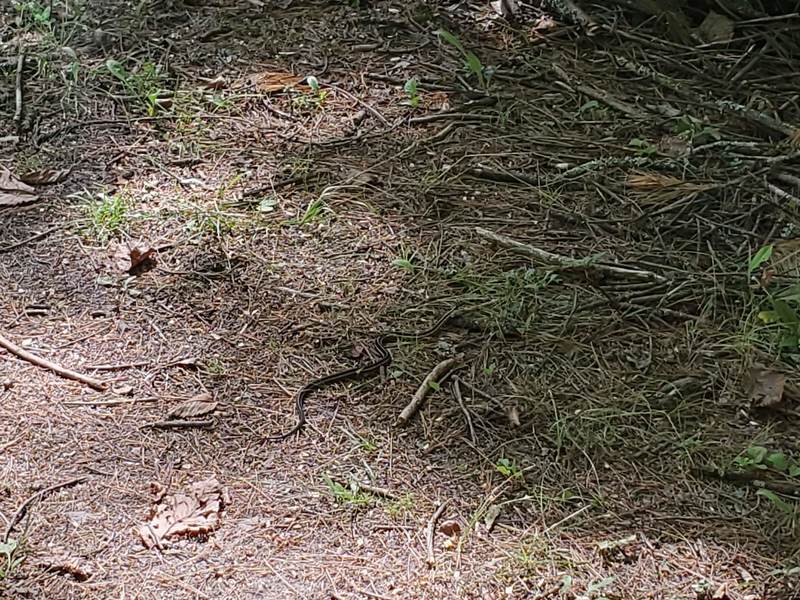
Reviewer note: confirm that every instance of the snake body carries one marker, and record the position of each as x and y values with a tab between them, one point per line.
384	359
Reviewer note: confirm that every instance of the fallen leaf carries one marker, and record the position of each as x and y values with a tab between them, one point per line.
275	81
65	565
13	191
450	527
122	390
765	387
199	405
142	262
491	516
716	28
195	513
45	176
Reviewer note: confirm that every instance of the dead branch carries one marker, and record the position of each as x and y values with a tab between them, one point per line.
93	383
431	530
564	261
438	373
38	496
177	424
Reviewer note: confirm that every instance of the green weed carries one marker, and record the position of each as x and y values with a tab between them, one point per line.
10	558
343	495
471	62
400	508
508	468
108	215
411	88
145	83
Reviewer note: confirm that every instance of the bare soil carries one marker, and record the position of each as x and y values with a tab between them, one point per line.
599	448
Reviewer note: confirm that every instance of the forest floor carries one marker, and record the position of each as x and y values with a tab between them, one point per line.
622	422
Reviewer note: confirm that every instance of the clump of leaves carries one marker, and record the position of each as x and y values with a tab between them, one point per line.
642	147
693	130
35	14
508	468
316	99
471	62
411	88
759	458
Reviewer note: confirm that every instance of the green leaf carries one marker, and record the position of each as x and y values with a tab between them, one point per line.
434	386
267	204
778	461
403	263
760	257
411	86
590	105
785	313
313	83
757	453
450	39
117	70
776	500
794	470
768	316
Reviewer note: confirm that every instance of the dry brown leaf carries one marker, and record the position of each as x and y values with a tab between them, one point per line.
716	28
651	181
199	405
141	261
45	176
656	188
197	512
13	191
450	527
765	387
275	81
65	565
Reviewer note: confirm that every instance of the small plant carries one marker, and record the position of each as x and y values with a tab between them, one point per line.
401	507
642	147
10	558
314	100
694	130
471	62
107	215
411	88
343	495
34	13
759	458
783	312
508	468
145	83
215	367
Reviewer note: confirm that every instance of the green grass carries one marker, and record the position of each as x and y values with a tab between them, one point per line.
108	215
351	496
10	558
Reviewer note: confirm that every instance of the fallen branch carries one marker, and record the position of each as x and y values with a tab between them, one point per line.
37	496
93	383
439	372
177	424
18	89
431	530
564	261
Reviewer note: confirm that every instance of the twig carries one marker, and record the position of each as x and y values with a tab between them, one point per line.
93	383
751	479
33	238
38	496
18	88
431	530
438	373
177	424
460	400
564	261
378	491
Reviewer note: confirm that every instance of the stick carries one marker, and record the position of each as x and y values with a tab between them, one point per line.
457	394
563	261
38	496
438	372
181	424
18	88
431	530
93	383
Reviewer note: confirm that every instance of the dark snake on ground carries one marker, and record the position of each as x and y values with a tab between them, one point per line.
384	360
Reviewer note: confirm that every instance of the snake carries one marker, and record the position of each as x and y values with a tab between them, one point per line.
383	360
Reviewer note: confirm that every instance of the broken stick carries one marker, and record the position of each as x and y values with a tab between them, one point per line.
548	258
431	531
439	372
93	383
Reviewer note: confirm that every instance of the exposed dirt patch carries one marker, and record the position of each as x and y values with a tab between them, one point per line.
609	435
